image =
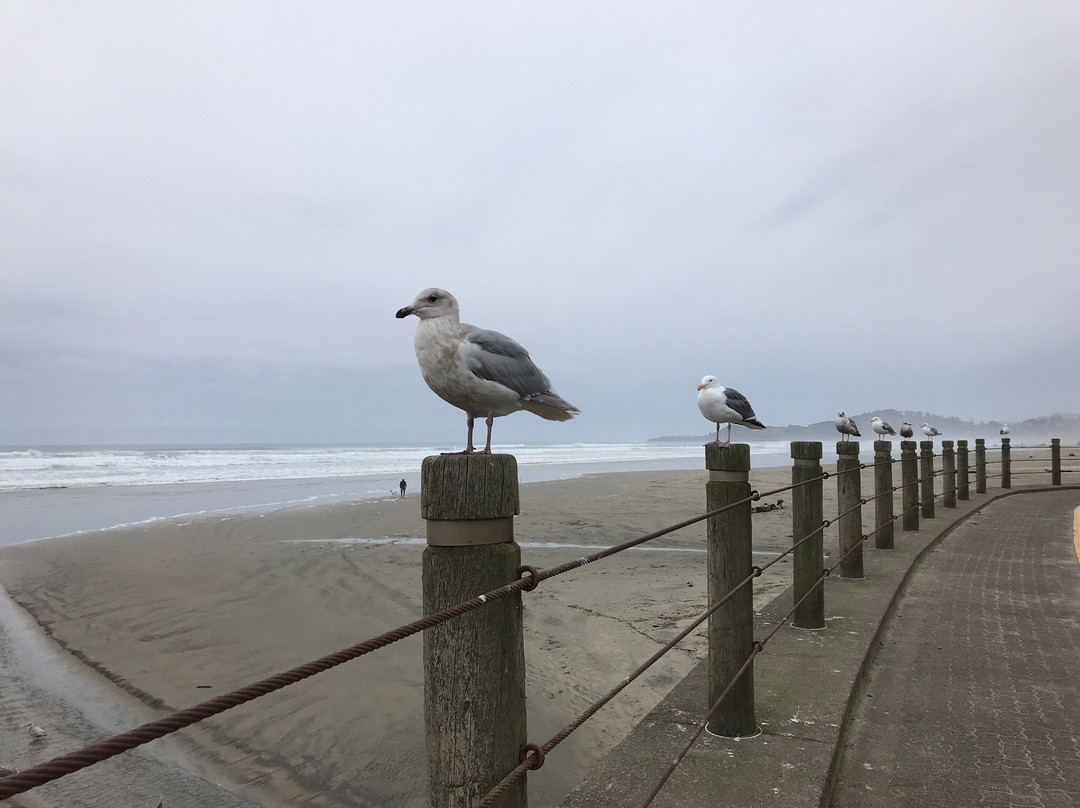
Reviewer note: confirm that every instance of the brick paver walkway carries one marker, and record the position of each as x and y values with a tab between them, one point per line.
974	698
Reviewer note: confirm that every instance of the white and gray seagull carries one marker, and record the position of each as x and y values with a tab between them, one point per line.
881	427
929	431
483	372
722	405
906	431
846	426
1004	431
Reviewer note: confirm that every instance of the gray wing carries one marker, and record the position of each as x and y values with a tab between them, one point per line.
738	402
497	358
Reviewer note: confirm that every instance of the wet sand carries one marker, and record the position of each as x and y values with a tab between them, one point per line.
177	612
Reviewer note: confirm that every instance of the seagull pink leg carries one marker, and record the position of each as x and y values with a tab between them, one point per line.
469	446
489	421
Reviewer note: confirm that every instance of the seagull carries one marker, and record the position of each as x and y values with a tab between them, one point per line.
1004	432
35	732
721	405
906	431
483	372
881	427
845	426
929	431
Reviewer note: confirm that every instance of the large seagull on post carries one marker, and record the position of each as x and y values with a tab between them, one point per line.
722	405
483	372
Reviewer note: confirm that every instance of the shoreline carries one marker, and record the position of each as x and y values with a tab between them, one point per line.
182	610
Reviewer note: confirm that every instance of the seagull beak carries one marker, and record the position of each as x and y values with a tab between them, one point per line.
405	312
701	387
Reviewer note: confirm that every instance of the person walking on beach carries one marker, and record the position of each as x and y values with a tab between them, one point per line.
401	485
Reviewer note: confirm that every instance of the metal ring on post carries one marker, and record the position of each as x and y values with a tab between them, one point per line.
538	755
532	581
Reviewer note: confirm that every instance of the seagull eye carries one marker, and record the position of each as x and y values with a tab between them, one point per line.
432	298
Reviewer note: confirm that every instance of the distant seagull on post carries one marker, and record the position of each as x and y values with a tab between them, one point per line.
881	427
929	431
1004	431
906	431
845	426
723	405
483	372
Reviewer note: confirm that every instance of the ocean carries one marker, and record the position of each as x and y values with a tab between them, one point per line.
53	491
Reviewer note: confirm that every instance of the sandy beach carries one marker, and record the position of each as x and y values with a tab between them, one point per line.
177	612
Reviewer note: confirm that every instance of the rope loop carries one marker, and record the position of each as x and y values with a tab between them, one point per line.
825	573
758	646
756	570
862	465
862	501
825	522
825	475
754	495
532	581
533	752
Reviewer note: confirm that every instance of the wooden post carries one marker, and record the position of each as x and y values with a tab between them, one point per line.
474	665
806	521
883	491
909	471
963	469
1006	463
730	560
1055	461
848	495
926	475
948	466
980	465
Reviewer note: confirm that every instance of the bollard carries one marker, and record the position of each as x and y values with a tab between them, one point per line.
980	465
1055	461
963	486
948	466
1006	463
730	560
926	476
909	475
806	520
848	494
474	665
883	491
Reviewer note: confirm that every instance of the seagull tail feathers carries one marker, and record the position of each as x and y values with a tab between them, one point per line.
752	423
550	406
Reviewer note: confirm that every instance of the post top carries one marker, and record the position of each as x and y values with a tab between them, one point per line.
962	444
1005	441
907	446
883	446
946	444
926	445
980	441
806	450
727	458
847	447
1055	440
469	486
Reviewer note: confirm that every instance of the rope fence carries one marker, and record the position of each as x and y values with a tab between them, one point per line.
532	756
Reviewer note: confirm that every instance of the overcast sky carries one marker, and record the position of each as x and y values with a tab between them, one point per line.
209	212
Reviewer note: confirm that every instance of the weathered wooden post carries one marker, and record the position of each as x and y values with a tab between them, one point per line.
909	475
980	465
848	495
474	665
963	482
926	475
1055	461
948	467
730	560
1006	463
806	521
883	492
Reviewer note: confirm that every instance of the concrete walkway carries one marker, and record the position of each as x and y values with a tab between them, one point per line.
974	697
949	676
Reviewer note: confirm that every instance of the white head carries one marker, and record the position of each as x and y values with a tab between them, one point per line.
841	414
432	303
926	426
708	381
875	420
